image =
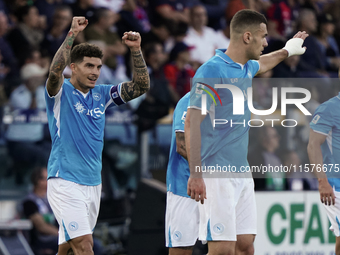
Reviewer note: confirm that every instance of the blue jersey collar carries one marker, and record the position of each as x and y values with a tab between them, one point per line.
221	53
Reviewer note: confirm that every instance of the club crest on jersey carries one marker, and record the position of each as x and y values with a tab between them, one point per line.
96	96
79	107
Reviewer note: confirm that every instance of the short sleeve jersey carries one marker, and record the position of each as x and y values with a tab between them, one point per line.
178	168
226	143
326	121
76	123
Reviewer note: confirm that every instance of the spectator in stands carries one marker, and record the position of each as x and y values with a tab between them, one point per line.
203	38
215	10
100	30
56	34
44	235
178	71
264	155
297	180
28	32
174	10
161	95
312	63
47	8
133	17
8	58
25	136
328	44
84	8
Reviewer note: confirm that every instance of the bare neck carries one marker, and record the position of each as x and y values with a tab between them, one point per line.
76	85
236	53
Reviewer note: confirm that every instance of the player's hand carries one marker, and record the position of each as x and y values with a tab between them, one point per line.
196	189
78	24
327	195
294	45
132	40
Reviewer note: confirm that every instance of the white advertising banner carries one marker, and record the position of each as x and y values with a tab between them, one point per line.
292	223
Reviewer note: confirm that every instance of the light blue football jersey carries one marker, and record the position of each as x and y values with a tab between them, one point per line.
326	121
178	168
76	125
225	144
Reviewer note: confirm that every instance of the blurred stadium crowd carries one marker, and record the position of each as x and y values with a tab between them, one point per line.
177	37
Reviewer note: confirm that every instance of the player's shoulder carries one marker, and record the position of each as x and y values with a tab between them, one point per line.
328	106
210	69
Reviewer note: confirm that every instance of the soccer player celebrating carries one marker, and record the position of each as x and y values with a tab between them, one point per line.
228	215
76	117
324	159
182	215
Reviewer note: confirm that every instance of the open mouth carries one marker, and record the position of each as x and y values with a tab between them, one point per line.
92	79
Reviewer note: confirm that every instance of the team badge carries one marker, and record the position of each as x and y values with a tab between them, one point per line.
218	228
73	226
96	96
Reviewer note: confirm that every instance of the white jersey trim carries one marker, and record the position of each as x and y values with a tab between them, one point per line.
329	141
56	109
179	131
316	131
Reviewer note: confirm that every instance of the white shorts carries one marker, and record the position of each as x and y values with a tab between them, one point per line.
181	221
229	210
333	213
75	207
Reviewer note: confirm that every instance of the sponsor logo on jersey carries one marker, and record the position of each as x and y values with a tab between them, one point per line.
79	107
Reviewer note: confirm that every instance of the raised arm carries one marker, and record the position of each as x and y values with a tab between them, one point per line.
62	57
140	81
315	157
293	47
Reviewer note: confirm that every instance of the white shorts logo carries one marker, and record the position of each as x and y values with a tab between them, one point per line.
73	226
218	228
177	235
316	119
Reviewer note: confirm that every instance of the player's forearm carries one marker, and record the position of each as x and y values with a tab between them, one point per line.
193	145
140	82
270	60
316	160
61	58
180	145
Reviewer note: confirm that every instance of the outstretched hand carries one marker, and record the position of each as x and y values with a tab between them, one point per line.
294	45
132	40
79	24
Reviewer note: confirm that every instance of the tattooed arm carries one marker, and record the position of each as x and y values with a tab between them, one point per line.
140	82
62	57
180	145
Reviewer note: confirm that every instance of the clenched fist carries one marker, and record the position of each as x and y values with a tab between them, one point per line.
132	40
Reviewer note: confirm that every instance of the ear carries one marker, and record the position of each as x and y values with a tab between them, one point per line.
247	36
73	67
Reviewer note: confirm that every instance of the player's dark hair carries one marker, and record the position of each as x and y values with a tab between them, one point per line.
85	50
246	19
37	175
